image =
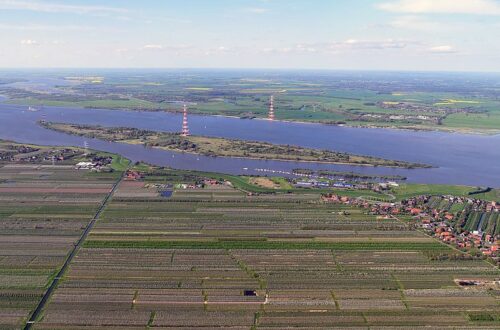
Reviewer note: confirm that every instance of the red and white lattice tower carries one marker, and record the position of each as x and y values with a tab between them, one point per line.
185	127
270	115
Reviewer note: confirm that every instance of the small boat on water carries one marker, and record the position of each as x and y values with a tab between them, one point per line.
33	109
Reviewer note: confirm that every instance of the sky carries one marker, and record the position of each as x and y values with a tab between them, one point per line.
414	35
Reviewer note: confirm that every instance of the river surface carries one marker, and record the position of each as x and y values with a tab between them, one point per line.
459	158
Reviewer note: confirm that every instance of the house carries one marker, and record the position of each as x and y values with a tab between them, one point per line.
210	182
84	165
446	234
415	211
331	198
133	175
487	252
344	199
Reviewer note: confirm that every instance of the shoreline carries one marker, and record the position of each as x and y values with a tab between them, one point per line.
449	130
284	160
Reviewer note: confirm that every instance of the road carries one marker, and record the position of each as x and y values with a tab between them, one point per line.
53	285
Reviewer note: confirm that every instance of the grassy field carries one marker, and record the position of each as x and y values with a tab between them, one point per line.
101	104
120	163
411	190
473	122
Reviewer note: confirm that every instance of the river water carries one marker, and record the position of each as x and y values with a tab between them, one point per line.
459	158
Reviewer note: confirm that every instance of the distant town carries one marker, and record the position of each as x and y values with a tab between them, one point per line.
473	227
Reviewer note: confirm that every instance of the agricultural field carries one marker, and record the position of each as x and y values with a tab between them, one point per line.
217	257
43	211
186	250
412	101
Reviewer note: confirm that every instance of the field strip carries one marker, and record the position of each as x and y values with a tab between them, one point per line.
81	240
266	245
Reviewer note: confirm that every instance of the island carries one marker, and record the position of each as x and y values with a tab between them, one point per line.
213	146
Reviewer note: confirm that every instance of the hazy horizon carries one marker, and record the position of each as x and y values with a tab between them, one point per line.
257	69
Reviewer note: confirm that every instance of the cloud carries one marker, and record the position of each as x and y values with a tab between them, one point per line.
444	49
306	48
152	47
256	10
160	47
178	49
50	7
222	50
343	46
122	51
477	7
413	22
369	44
29	42
33	27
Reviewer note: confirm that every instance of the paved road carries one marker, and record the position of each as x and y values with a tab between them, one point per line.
79	243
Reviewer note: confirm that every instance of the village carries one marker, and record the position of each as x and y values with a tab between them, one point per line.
95	163
25	154
452	228
459	229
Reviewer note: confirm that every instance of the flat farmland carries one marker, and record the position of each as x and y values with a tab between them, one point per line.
216	258
43	211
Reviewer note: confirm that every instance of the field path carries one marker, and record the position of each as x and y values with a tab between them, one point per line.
69	258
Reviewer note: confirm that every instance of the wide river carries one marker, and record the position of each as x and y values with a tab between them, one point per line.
459	158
